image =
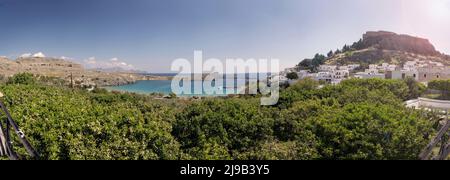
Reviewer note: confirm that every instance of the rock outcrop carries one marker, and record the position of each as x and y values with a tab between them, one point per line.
392	41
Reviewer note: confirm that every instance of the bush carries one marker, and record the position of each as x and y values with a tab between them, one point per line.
22	78
99	91
358	119
227	126
416	89
292	76
367	131
66	124
172	95
441	85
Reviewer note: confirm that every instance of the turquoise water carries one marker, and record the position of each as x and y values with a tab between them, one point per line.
145	87
148	87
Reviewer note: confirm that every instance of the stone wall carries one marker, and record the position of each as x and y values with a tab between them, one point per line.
429	74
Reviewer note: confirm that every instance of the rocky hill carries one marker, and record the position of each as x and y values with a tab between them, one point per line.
389	47
66	70
391	41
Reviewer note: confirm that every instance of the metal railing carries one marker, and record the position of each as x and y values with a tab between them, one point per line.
6	147
442	138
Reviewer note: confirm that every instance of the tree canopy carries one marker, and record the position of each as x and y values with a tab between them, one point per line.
292	76
314	63
357	119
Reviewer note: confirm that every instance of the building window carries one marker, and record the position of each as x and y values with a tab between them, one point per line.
414	75
425	75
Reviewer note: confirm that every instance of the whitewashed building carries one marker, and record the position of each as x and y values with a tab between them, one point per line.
403	74
327	68
365	75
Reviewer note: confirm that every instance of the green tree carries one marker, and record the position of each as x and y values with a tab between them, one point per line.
281	150
305	64
172	95
313	64
292	76
330	54
367	131
66	124
442	85
397	87
302	90
345	48
22	78
231	126
358	45
416	89
357	119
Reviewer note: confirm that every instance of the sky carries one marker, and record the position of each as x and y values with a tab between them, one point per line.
150	34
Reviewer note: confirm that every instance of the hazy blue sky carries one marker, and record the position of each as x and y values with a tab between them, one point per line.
150	34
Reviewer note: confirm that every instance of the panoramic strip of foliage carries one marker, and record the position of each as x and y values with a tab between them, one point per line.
358	119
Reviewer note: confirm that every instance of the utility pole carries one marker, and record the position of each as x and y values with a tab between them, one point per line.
71	80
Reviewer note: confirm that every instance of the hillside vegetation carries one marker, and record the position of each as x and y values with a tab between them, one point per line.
358	119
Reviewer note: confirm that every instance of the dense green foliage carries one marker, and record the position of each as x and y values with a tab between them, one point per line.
292	76
313	64
442	85
438	89
358	119
416	89
22	78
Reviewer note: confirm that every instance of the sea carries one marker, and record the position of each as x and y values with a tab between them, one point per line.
164	87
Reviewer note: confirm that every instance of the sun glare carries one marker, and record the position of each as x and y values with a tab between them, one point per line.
440	9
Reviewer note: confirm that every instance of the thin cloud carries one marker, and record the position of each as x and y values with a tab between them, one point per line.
93	63
39	55
65	58
26	55
36	55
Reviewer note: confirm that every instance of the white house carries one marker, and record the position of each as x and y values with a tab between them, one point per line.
369	74
410	65
387	67
333	77
324	76
340	74
352	67
403	74
327	68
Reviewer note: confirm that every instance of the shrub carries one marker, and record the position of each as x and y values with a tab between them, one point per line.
22	78
292	76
